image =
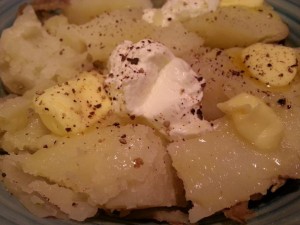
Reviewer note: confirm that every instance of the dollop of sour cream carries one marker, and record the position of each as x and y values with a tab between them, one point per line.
149	81
179	10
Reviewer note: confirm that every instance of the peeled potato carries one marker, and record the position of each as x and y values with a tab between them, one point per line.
102	34
41	198
81	11
126	170
238	26
219	170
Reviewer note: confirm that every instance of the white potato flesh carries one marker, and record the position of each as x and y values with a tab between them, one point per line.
30	57
81	11
219	170
13	113
110	166
102	34
31	138
238	26
184	43
226	76
40	197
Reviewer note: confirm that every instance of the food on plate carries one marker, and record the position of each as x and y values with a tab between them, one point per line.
172	113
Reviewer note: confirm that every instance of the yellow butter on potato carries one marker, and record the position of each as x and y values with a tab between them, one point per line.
274	65
73	106
254	121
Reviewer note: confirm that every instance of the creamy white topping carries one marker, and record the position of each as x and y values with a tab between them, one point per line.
179	10
153	83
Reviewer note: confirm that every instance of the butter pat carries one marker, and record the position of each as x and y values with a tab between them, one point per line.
273	65
246	3
73	106
254	121
179	10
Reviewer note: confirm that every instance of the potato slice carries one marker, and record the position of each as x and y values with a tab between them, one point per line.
40	197
13	113
219	169
238	26
80	11
117	167
98	37
227	76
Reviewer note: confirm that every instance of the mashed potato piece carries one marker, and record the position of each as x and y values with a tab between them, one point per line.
30	57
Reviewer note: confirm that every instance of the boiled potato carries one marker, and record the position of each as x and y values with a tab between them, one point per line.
227	76
40	197
32	137
116	167
80	11
101	35
219	170
238	26
30	57
184	43
14	113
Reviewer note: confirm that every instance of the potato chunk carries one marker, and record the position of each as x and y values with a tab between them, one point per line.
238	26
219	170
102	34
30	57
40	197
117	167
80	11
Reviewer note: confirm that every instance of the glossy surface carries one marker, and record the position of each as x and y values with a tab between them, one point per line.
277	209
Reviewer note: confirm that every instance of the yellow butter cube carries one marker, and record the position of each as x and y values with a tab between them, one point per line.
274	65
254	121
73	106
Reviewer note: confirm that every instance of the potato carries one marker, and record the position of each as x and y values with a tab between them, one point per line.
219	170
238	26
13	113
101	35
227	169
80	11
29	56
40	197
227	76
116	167
32	137
185	42
58	27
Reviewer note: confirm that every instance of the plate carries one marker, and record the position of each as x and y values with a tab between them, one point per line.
280	208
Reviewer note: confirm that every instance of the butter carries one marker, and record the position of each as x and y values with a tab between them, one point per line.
73	106
254	121
274	65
